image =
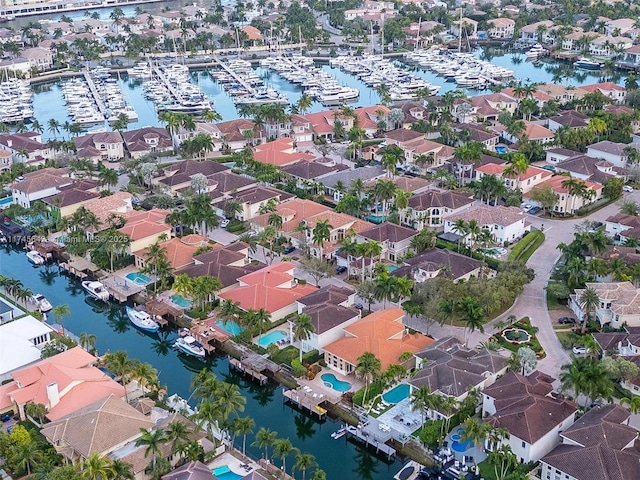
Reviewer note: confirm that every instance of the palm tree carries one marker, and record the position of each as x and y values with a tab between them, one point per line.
122	470
229	400
176	432
36	410
634	403
231	208
303	462
264	439
471	312
475	430
302	330
385	288
27	455
282	448
589	302
87	341
243	426
367	368
320	233
586	376
109	177
60	311
575	188
420	400
152	440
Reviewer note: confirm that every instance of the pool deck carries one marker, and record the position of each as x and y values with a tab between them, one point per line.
317	382
401	419
477	452
227	459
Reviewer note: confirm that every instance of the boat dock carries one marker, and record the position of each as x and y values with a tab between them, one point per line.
120	289
238	78
305	398
79	267
102	108
239	366
363	436
165	81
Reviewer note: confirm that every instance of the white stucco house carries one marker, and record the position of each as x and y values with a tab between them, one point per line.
619	304
506	224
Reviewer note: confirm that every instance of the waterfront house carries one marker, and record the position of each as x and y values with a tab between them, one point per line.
104	208
599	445
566	201
611	152
18	66
465	27
145	228
501	27
395	240
450	369
441	263
178	176
532	31
191	471
63	383
71	197
179	251
41	58
6	160
589	168
331	309
619	303
524	181
607	47
381	333
631	57
26	148
430	208
100	146
527	408
273	288
21	340
615	28
506	224
561	93
147	140
615	93
39	184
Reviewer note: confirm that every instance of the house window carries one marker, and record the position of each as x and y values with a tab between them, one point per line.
523	444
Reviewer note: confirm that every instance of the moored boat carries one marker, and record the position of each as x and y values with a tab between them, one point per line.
96	290
339	433
35	258
142	320
42	303
190	346
587	64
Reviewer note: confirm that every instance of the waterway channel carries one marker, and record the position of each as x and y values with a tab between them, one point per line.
340	459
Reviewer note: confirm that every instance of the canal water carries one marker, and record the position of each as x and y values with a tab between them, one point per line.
48	102
340	459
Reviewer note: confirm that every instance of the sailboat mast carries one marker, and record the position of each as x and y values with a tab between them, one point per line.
418	33
460	32
300	37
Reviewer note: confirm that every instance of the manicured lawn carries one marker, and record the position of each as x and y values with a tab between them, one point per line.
486	470
533	343
522	251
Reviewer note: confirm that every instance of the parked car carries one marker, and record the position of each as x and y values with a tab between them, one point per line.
580	350
359	306
340	270
627	189
526	207
288	249
566	320
534	210
224	222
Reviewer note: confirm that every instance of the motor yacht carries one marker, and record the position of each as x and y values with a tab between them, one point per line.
96	290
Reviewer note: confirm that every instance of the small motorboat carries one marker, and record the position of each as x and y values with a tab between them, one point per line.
41	302
96	290
142	320
586	64
35	258
190	346
339	433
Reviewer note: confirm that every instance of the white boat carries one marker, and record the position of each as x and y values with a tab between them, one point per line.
142	320
339	433
96	290
535	51
41	302
190	346
35	258
587	64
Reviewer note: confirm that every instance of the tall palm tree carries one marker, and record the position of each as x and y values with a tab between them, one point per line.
87	341
230	401
367	368
420	400
385	288
243	426
475	430
304	461
589	301
282	448
320	233
302	329
634	403
264	439
122	470
472	314
96	467
60	311
152	440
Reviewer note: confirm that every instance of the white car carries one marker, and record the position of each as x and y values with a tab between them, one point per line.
526	207
224	222
580	350
627	189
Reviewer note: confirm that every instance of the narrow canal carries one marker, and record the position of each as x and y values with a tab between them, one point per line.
340	459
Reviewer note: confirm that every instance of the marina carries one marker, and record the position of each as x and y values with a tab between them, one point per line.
172	90
244	85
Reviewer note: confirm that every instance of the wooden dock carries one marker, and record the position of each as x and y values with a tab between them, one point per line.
102	108
381	447
79	267
120	289
239	366
307	400
238	78
163	78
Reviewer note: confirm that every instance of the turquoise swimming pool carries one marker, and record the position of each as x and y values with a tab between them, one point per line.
330	380
391	268
271	337
231	327
138	278
181	301
397	393
377	219
225	473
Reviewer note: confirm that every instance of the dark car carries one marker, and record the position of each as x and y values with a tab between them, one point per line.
596	225
340	270
288	249
359	306
534	210
566	320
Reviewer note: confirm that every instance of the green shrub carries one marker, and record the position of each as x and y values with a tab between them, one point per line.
430	433
311	357
374	389
298	368
522	251
286	356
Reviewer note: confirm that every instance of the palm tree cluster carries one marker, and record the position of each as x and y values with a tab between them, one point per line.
198	213
586	376
128	369
157	264
197	146
391	288
472	233
200	289
490	187
14	288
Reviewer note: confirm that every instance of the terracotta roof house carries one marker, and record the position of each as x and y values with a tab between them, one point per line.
600	445
534	132
524	181
253	34
589	168
273	288
118	204
331	309
226	264
429	209
441	263
252	200
178	176
280	153
465	170
26	147
145	228
63	383
612	91
567	202
490	105
410	184
506	224
527	409
179	251
293	213
39	184
341	225
100	146
190	471
21	341
449	368
395	240
619	303
146	140
381	333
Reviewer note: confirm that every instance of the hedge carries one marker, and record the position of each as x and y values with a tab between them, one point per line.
491	262
374	389
522	251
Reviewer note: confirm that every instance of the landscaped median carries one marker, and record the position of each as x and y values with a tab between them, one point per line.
519	334
522	251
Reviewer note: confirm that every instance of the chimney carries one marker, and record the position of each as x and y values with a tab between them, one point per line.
53	394
9	143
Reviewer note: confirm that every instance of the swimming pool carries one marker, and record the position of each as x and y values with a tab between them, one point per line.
500	149
397	393
225	473
138	278
271	337
330	380
391	268
181	301
456	444
377	218
231	327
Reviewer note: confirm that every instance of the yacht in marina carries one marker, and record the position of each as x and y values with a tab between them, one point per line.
96	290
142	320
535	51
586	64
190	346
263	96
335	95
